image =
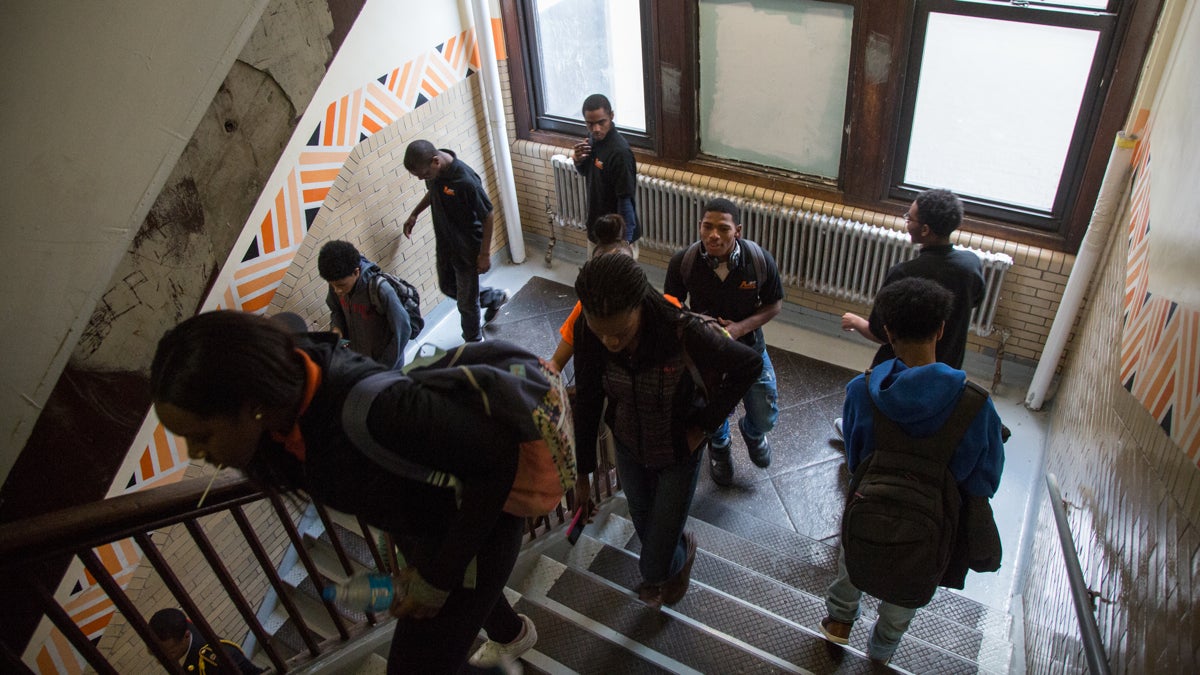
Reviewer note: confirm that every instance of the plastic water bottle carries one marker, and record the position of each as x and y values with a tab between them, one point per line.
370	592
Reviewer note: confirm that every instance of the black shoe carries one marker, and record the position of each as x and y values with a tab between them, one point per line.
720	466
494	306
760	453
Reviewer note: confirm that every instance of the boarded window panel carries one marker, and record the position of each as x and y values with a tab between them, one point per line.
773	82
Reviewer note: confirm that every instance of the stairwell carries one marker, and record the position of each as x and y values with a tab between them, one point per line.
754	606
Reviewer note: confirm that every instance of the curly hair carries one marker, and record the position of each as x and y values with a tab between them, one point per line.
913	309
941	210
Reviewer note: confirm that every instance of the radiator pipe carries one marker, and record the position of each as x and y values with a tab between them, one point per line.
1112	191
493	99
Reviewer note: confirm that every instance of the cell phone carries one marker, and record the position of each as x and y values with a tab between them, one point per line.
577	524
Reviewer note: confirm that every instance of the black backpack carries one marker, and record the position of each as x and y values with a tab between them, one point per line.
409	299
902	513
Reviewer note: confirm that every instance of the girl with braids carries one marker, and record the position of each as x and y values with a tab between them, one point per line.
670	379
245	393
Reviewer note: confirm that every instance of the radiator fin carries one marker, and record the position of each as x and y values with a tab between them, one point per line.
842	258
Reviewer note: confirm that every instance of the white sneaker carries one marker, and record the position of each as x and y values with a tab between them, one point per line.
493	653
837	427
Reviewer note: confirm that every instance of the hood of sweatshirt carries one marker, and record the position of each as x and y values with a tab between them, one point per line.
919	399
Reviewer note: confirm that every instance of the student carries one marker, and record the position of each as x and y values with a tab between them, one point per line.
919	394
930	220
737	283
462	229
607	164
380	336
669	380
185	644
609	230
245	393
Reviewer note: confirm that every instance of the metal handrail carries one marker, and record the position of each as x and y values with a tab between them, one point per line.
1093	646
26	547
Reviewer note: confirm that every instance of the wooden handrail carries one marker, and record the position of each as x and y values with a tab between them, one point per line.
96	523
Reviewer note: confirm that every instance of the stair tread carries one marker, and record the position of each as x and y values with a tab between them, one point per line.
720	522
578	649
784	587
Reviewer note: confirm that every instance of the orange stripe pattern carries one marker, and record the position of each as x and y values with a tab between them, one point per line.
1160	345
347	122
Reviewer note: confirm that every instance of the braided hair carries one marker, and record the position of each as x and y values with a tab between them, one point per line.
610	284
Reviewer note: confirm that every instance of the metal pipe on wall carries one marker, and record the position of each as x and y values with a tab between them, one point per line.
493	98
1112	191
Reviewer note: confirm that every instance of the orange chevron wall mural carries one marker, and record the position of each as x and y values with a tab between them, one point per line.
1160	346
348	121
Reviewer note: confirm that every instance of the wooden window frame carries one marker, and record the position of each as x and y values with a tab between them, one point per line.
873	114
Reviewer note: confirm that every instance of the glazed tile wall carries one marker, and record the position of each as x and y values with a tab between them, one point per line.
1135	509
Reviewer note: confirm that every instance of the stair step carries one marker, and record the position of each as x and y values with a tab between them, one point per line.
357	548
665	639
931	641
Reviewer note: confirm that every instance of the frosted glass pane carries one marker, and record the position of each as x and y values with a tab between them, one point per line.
590	47
773	78
996	107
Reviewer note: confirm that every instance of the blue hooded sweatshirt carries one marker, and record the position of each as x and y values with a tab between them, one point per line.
920	400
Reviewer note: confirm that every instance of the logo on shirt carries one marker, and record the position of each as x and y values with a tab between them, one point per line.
748	285
599	164
447	191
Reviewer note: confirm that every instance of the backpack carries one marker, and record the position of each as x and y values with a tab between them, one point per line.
410	299
756	256
902	512
506	382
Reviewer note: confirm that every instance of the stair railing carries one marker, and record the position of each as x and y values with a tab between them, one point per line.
75	532
1093	646
32	544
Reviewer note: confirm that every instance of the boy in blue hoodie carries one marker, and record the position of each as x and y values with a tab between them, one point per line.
919	394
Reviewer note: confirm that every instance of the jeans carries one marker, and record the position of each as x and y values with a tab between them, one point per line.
842	600
441	644
762	409
659	500
458	279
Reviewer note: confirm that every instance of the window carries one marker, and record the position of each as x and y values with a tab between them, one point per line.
1000	105
1012	104
584	47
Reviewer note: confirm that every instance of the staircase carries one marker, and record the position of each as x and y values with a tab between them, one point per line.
754	606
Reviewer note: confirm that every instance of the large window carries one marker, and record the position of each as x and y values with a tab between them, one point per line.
1014	105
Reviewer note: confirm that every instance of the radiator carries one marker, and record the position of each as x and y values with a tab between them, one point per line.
834	256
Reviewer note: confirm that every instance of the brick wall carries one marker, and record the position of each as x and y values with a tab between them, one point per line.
374	194
1135	513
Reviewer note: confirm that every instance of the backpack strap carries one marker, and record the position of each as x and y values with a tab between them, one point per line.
943	443
760	263
374	295
689	261
355	410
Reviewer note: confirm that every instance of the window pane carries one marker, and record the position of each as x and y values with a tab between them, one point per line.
773	78
997	103
590	47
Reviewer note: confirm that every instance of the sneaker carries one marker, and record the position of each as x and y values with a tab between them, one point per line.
493	653
494	307
836	631
837	429
760	450
720	466
673	589
651	594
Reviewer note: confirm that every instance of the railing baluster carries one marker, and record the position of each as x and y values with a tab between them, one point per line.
100	573
340	550
290	527
71	631
373	545
235	593
268	567
159	563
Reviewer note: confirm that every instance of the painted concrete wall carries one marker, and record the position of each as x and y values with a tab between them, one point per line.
95	117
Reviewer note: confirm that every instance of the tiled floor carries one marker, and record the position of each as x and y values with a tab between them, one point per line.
803	489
